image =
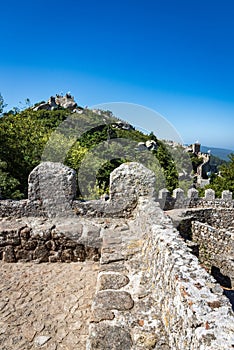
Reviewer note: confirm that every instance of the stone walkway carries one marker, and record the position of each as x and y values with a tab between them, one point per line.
46	306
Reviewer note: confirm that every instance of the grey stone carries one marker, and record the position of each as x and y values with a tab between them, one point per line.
41	254
178	193
209	194
163	194
23	255
53	187
25	232
100	314
192	193
110	300
227	195
106	337
112	281
130	181
9	255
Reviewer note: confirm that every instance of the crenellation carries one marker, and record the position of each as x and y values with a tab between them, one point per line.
209	194
178	194
227	195
192	199
193	193
151	291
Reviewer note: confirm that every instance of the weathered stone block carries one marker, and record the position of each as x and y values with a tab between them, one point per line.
41	254
193	193
25	232
51	245
79	253
10	237
163	194
112	281
130	181
110	300
23	255
178	193
209	194
53	185
92	253
227	195
100	314
67	255
29	245
104	337
9	255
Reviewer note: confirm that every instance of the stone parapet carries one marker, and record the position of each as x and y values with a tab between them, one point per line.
180	200
151	291
194	311
44	240
216	248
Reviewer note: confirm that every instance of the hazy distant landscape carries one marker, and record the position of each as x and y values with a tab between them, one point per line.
221	153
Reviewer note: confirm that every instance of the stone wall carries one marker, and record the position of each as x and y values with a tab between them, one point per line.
194	312
216	248
44	240
221	218
151	292
192	200
52	189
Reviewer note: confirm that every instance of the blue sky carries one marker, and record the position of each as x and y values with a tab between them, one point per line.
173	56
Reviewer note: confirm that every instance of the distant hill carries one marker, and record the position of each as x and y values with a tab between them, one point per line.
222	153
28	135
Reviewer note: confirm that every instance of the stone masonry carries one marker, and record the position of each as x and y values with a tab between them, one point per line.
216	248
145	289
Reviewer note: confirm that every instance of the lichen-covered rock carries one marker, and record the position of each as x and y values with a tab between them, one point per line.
110	338
100	314
112	281
111	299
130	181
53	187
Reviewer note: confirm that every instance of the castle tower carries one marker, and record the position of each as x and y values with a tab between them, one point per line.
196	147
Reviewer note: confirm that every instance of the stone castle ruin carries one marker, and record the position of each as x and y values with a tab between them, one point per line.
163	263
205	168
59	101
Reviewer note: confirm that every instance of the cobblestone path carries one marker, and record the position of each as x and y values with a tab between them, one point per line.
46	306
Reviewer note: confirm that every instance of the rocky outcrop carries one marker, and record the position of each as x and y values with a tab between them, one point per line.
60	101
150	145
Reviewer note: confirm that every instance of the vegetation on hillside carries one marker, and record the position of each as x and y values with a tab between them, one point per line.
93	144
225	179
86	142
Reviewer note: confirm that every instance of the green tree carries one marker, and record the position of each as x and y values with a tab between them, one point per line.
168	165
2	104
26	136
225	180
22	139
8	184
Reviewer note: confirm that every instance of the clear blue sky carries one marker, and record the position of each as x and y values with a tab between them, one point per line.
174	56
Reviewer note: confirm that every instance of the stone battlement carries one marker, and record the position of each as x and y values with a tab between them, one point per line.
151	290
192	200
